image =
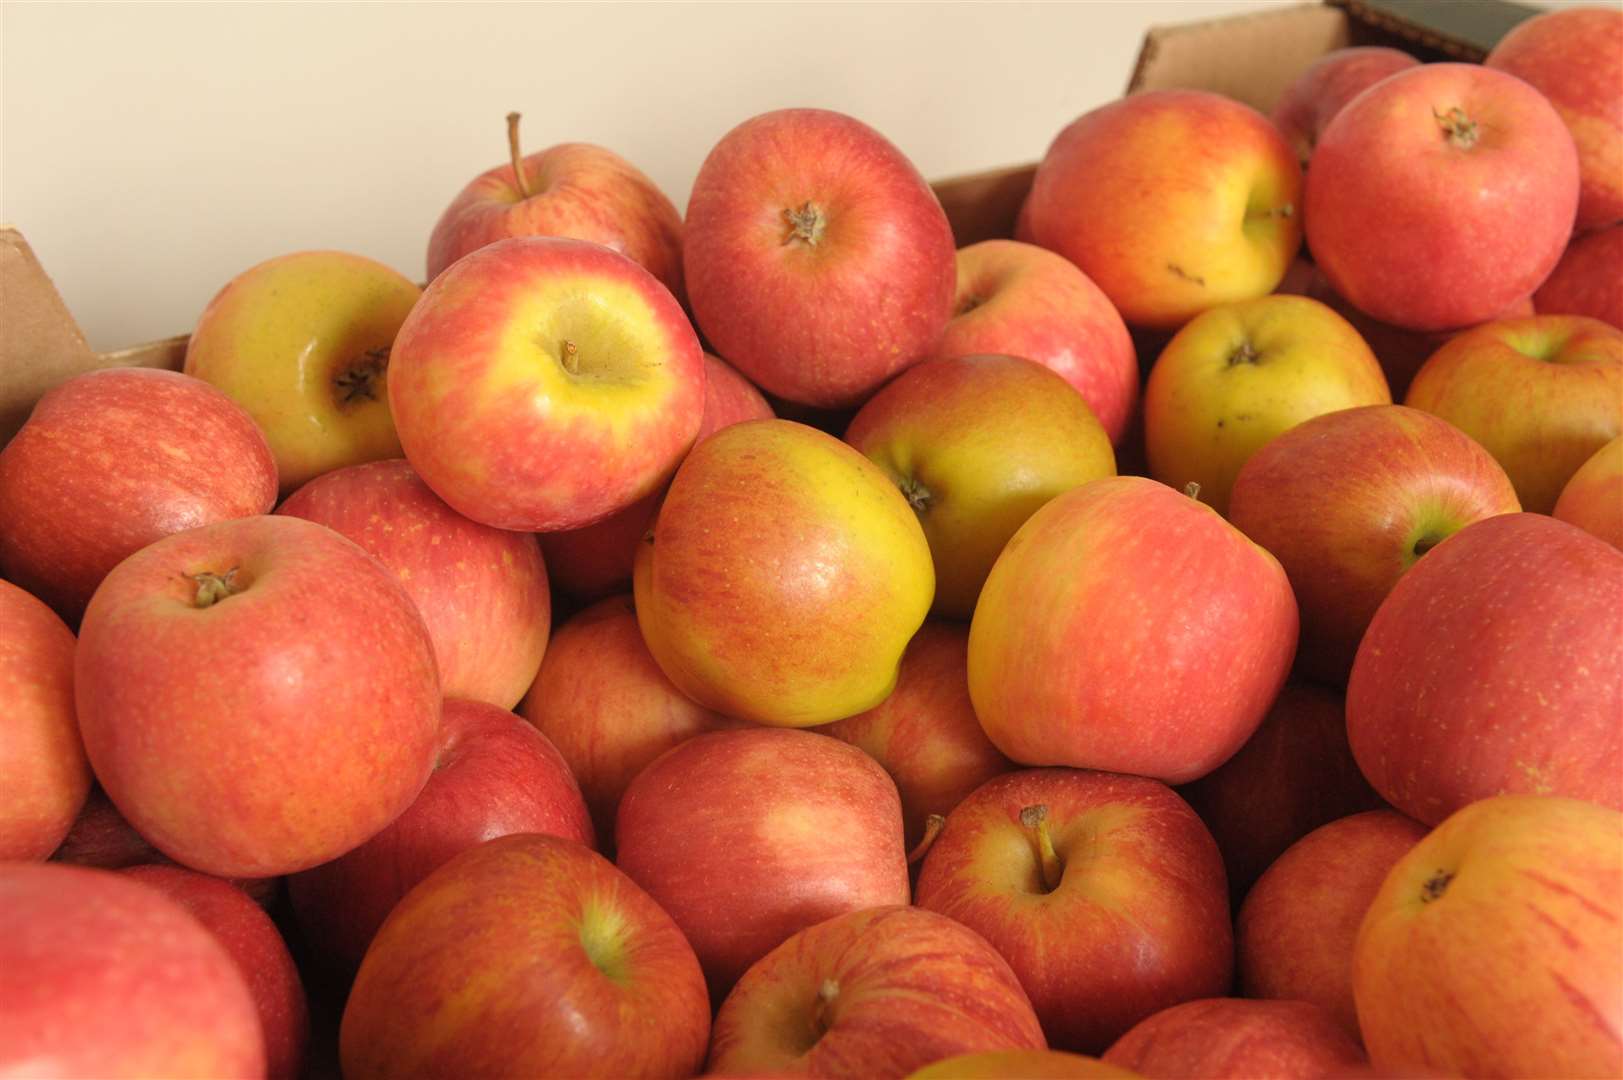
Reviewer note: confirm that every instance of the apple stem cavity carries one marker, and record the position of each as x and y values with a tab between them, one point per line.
826	993
359	381
1460	130
1035	818
917	495
518	158
805	224
212	587
932	829
1245	353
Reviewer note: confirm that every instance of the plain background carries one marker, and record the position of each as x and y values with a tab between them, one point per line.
149	152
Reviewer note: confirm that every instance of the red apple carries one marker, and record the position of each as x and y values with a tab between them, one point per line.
747	837
1295	932
1127	627
572	189
1235	1039
526	956
482	592
256	696
1588	280
1021	1065
1493	667
1593	498
100	837
545	383
112	460
102	976
1021	300
818	260
1104	893
1441	196
256	947
1323	89
1345	535
872	994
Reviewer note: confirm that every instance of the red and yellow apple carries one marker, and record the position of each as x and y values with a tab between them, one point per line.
41	758
1237	1039
1593	498
1588	280
1022	1065
1325	86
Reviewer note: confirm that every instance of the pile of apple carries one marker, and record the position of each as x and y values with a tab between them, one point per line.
889	732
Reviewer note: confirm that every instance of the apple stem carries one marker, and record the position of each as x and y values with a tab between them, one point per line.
805	224
932	829
1192	489
518	158
1459	128
212	587
571	358
918	496
826	994
1035	818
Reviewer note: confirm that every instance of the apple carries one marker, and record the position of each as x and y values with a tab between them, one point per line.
1441	196
1295	932
110	461
1237	1039
1241	374
1022	300
257	949
976	444
100	837
41	756
1129	628
1323	89
1588	280
1346	534
302	342
526	956
572	189
1593	498
1571	58
1021	1065
1493	667
256	696
783	578
103	976
1566	371
545	383
872	994
1172	202
482	592
1492	947
818	261
1105	894
747	837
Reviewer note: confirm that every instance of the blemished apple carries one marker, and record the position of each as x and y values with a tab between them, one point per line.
1105	894
977	444
542	942
1294	934
110	461
482	592
783	578
1345	535
255	945
1022	300
302	342
1237	1039
494	775
1323	89
1239	375
243	728
544	383
874	994
1571	58
572	189
818	261
1172	202
1588	280
1492	947
1102	595
1022	1065
1493	667
1566	371
748	837
1593	498
103	976
1441	196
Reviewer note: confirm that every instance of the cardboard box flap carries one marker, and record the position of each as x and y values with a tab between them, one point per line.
1434	29
40	344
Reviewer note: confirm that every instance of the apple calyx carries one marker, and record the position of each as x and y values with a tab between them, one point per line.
917	495
805	223
1035	818
1435	886
1459	129
359	381
932	829
518	158
212	587
1245	353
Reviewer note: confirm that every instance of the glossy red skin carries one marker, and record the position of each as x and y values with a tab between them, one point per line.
1323	89
274	730
1345	535
1236	1039
498	930
1296	773
482	592
494	775
256	947
1593	498
595	561
503	459
1571	57
1295	932
747	837
112	460
102	976
43	770
1419	233
914	987
826	325
1493	668
608	708
1022	300
576	190
1139	921
1588	280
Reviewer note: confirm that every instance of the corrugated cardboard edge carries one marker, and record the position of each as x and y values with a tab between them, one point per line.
40	343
